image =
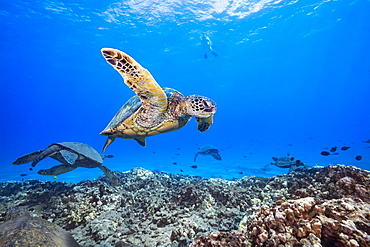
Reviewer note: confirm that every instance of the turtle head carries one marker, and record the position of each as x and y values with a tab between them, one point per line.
203	109
200	106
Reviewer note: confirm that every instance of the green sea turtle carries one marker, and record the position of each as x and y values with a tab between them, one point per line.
153	110
72	155
21	229
286	162
208	150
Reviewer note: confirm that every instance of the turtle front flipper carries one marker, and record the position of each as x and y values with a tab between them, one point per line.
27	158
204	123
265	167
56	170
51	150
216	155
110	175
195	157
139	80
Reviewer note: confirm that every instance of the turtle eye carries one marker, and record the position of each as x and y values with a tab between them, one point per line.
207	107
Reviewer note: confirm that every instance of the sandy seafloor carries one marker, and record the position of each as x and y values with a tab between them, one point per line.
308	207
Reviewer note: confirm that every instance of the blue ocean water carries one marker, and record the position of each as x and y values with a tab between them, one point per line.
291	76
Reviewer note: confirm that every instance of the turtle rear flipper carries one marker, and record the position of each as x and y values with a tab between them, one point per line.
265	167
27	158
141	140
109	141
292	168
110	175
56	170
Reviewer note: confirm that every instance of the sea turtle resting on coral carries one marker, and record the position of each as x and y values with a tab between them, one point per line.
154	110
286	162
20	229
208	150
72	155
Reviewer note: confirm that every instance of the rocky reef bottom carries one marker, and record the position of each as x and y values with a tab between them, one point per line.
308	207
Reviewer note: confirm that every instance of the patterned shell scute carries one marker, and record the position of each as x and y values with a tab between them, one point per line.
130	107
20	229
82	149
286	160
206	148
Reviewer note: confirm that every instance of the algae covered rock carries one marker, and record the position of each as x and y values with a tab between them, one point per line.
21	229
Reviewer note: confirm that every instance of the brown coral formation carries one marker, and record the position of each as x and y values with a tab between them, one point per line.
221	239
306	222
337	213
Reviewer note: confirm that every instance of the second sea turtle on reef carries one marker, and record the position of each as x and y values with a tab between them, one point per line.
154	110
21	229
208	150
286	162
72	155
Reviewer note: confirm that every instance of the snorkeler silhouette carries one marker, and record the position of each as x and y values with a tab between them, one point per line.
207	46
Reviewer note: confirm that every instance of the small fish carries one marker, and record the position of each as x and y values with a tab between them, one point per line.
175	163
23	175
325	153
177	154
333	149
335	153
181	171
344	148
55	177
244	156
109	156
194	166
30	169
240	172
358	157
367	141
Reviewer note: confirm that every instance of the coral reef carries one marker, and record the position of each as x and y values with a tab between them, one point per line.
226	239
329	208
158	209
306	222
